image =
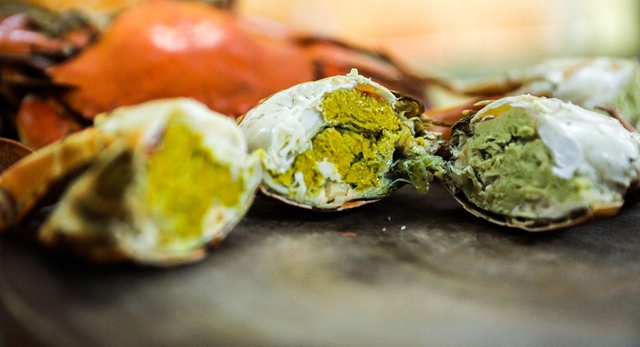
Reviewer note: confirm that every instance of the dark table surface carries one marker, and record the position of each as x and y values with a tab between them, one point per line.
411	270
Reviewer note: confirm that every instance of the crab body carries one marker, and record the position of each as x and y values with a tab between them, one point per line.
119	204
540	164
595	84
340	142
229	62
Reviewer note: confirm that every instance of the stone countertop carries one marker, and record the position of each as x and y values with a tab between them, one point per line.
411	270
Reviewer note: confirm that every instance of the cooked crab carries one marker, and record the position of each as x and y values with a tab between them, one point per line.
164	48
158	183
539	163
603	83
340	142
11	151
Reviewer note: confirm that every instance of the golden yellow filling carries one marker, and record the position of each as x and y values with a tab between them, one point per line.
183	180
360	143
355	109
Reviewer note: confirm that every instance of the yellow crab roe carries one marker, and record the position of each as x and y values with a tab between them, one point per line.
353	108
360	144
183	179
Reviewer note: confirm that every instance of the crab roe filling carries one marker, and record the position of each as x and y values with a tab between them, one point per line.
356	149
184	180
506	168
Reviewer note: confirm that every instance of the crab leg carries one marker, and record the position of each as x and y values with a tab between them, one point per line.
15	39
11	151
42	121
26	183
615	113
442	119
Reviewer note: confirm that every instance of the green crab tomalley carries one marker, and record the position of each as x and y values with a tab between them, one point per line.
540	163
341	142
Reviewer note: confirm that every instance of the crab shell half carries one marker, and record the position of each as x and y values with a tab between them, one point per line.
581	164
592	83
538	224
158	183
288	126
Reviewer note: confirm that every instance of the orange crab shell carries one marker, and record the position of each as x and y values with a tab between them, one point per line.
21	190
101	175
40	122
165	49
11	151
221	58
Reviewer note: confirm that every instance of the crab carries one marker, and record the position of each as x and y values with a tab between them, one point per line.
32	39
166	48
117	204
340	142
12	151
541	164
605	84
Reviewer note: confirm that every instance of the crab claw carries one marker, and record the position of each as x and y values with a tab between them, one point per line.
154	184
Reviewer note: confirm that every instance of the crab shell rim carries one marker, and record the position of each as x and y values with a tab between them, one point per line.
347	205
11	152
114	255
537	224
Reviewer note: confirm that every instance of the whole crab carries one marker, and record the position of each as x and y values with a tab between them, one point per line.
164	48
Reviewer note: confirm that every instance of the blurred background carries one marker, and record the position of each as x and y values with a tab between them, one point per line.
464	37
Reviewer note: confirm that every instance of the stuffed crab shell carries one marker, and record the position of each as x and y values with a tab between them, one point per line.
540	164
159	182
340	142
592	83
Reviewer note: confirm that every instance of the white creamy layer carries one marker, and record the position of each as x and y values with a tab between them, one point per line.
582	142
150	119
587	83
284	124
